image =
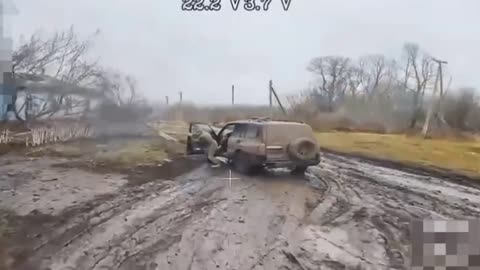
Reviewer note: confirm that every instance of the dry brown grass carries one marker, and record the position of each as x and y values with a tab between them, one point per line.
336	122
456	154
327	122
125	153
134	154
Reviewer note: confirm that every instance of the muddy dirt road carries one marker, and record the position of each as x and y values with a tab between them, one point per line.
345	214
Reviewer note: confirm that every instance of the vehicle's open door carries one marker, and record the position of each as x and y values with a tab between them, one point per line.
195	147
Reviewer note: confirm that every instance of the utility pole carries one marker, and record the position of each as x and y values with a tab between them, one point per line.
272	94
180	109
270	87
233	94
433	105
278	99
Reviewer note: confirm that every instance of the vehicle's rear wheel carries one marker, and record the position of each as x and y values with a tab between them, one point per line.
242	163
257	169
299	170
302	149
189	145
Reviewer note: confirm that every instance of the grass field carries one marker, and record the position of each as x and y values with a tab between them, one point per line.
458	155
127	153
134	153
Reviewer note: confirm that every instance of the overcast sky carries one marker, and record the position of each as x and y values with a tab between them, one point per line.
202	53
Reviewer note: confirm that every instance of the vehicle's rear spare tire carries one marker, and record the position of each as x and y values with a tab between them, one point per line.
302	149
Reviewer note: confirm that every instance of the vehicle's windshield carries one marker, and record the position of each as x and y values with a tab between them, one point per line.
351	134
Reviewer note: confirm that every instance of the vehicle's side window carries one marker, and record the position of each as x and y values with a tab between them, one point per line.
252	132
239	131
229	129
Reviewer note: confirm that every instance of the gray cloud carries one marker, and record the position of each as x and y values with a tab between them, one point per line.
203	53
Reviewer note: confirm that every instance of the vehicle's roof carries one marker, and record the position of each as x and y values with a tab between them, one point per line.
267	122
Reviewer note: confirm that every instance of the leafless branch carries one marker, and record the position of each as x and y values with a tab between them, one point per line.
333	71
63	57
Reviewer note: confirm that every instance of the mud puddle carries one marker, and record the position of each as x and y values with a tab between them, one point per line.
28	185
140	173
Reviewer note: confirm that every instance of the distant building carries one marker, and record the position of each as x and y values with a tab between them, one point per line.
34	90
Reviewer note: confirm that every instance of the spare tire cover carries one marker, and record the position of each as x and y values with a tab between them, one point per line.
302	149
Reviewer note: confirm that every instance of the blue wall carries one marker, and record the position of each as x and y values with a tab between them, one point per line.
6	98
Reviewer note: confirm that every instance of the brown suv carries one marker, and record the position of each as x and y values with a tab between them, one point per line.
257	143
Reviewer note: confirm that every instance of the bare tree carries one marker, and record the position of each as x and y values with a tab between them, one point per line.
301	105
377	70
120	89
122	101
355	78
460	107
333	79
419	71
61	58
370	74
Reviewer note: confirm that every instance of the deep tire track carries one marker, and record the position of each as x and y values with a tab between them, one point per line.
348	215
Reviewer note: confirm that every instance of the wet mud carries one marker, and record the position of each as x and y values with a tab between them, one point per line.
344	214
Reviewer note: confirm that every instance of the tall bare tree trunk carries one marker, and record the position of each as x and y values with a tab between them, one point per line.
416	110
